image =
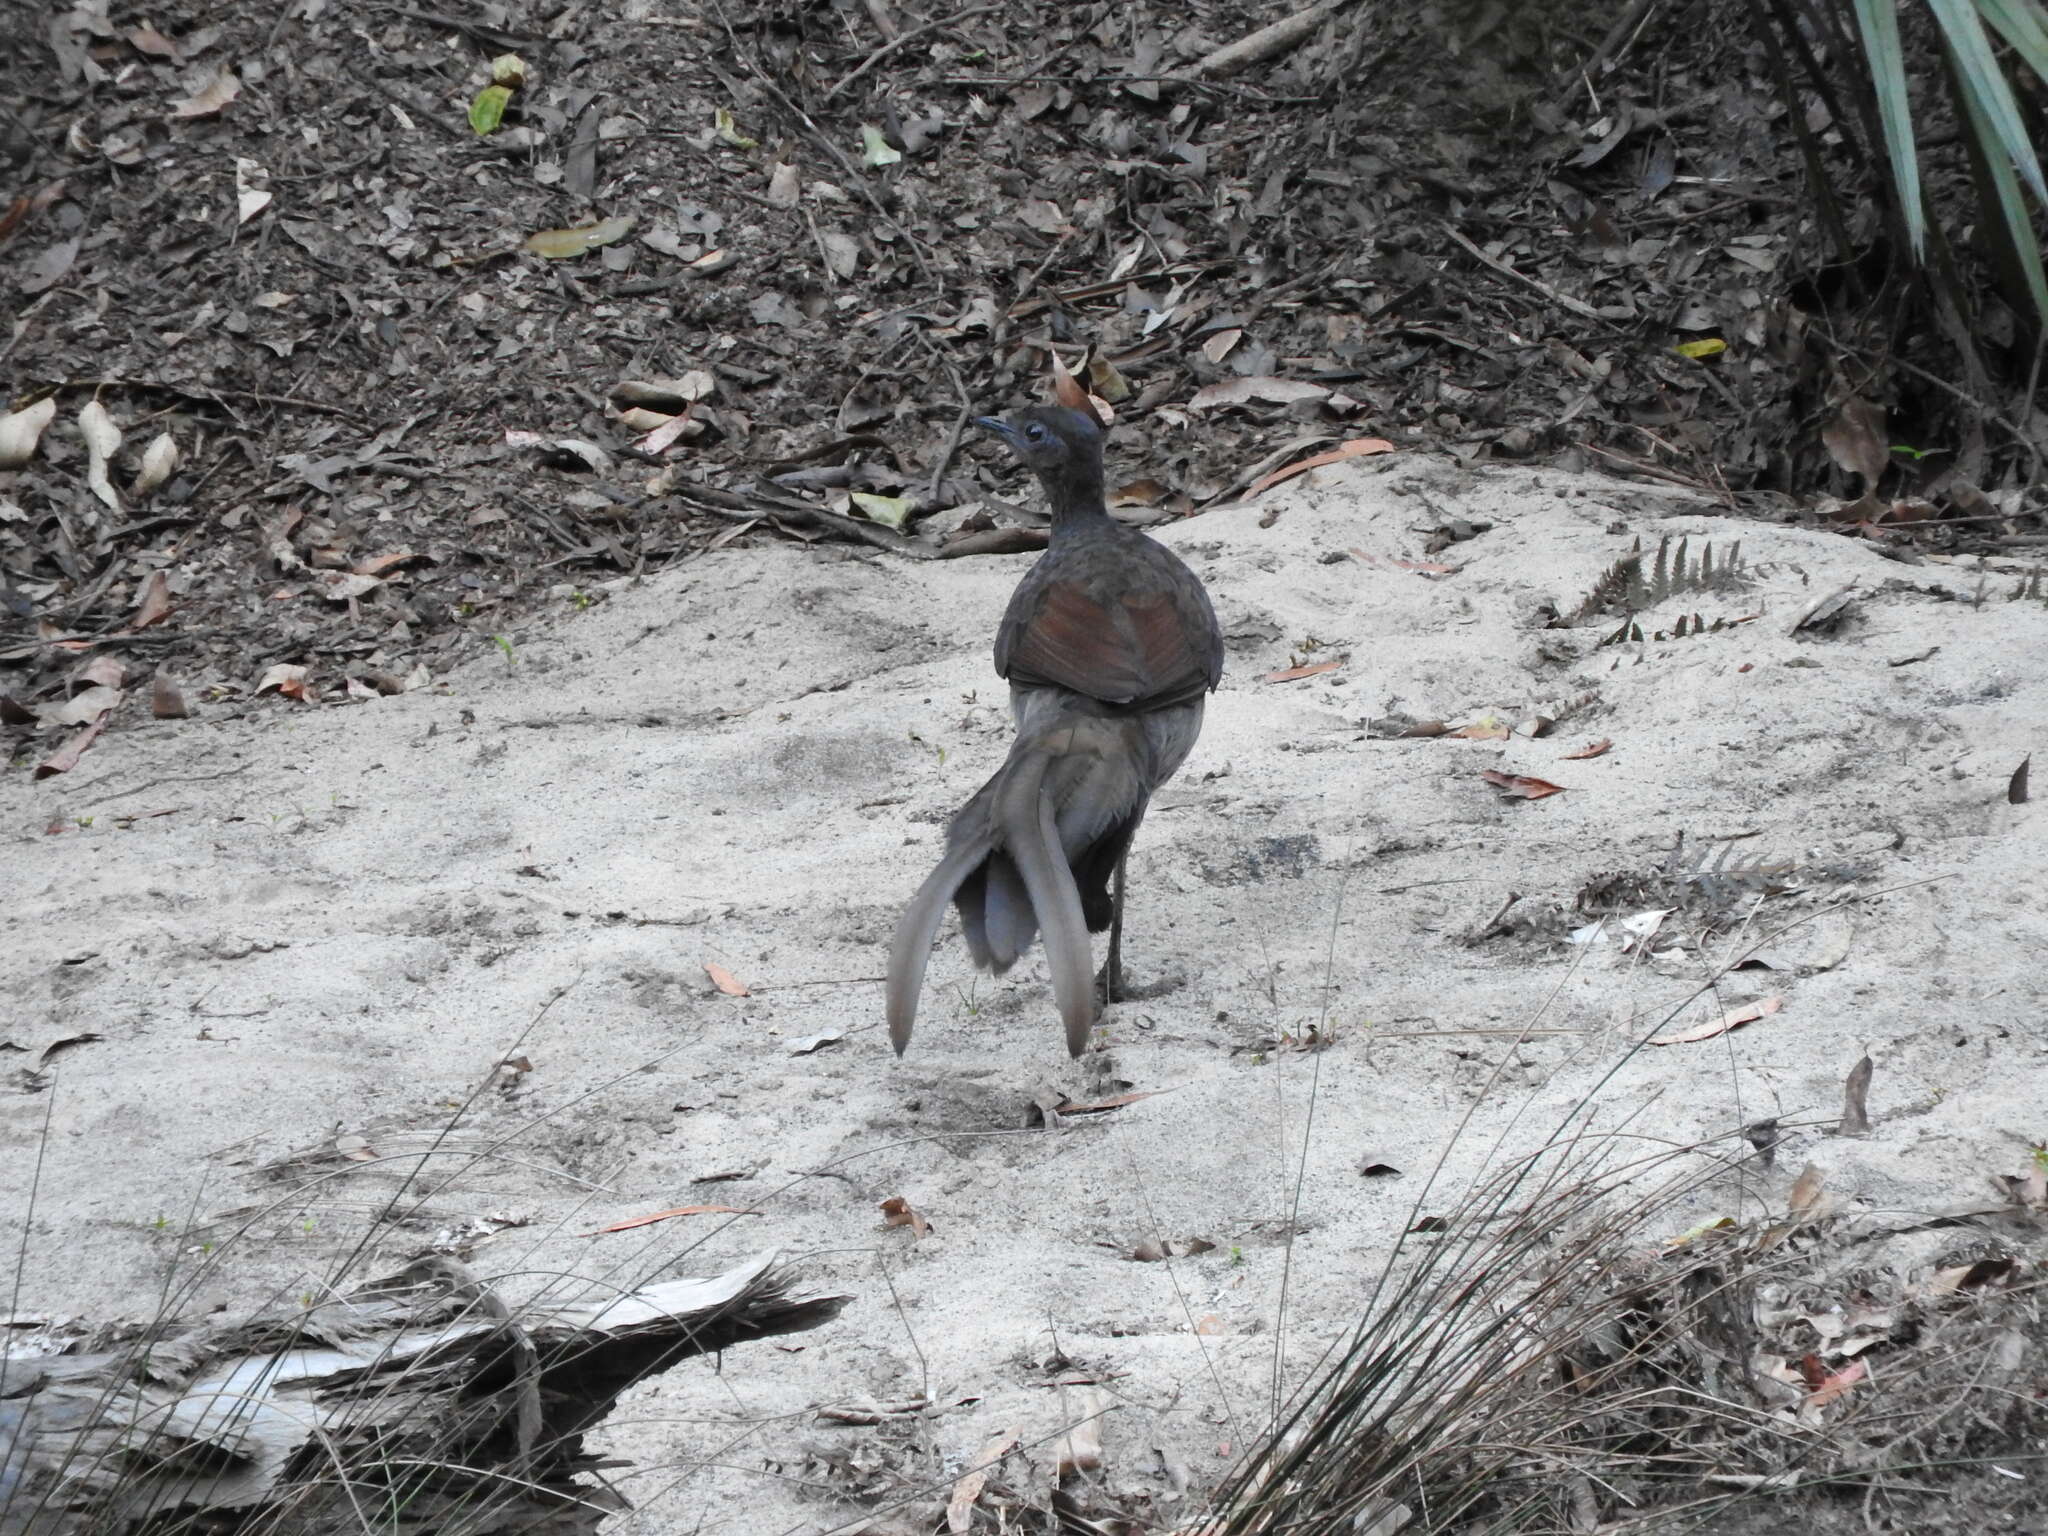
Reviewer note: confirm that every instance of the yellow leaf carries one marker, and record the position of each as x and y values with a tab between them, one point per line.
558	243
729	130
889	511
1710	346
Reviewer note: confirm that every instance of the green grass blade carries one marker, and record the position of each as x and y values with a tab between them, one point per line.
2012	206
2023	24
1994	114
1878	21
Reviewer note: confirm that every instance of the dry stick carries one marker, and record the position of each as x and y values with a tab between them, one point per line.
945	459
886	539
1565	301
911	36
1268	42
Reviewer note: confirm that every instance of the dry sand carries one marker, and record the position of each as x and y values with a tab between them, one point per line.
350	914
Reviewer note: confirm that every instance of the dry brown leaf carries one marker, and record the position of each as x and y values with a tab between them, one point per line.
1220	344
341	586
1270	391
66	757
383	565
1352	448
1966	1277
289	680
1103	1106
1806	1193
896	1212
1832	1387
1590	749
967	1487
1396	563
87	705
146	39
1080	1448
1855	1097
1139	493
100	672
1855	439
1519	786
725	981
210	98
1296	674
167	699
1734	1018
649	1220
1150	1252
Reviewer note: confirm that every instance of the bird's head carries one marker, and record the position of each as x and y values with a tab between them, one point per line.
1063	447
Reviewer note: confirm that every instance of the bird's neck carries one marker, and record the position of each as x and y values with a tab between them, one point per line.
1075	496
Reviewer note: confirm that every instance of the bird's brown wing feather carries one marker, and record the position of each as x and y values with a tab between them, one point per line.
1142	649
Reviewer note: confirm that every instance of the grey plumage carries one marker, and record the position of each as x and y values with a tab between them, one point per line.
1110	645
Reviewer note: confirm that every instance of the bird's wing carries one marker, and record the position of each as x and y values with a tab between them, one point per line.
1153	645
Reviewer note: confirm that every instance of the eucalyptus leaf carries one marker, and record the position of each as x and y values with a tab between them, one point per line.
889	511
488	110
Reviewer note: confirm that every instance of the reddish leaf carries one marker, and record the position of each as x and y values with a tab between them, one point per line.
290	681
66	757
1295	674
896	1212
1352	448
725	981
1396	563
1517	786
1734	1018
1590	749
1831	1387
682	1210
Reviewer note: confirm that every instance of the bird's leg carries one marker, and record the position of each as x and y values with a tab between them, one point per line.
1110	984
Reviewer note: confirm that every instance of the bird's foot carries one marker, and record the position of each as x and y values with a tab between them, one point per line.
1118	988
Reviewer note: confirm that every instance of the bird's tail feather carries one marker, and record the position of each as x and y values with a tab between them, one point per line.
915	932
1010	872
1026	818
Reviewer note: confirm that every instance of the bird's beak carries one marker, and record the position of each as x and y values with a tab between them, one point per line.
997	425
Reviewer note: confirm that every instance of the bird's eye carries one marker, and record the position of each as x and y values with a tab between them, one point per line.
1036	431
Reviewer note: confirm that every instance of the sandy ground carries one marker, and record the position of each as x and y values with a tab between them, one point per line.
346	916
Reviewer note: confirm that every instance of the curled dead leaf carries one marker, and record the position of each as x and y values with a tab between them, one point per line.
724	980
1519	786
102	442
21	430
1590	749
289	680
209	98
159	463
967	1488
897	1212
